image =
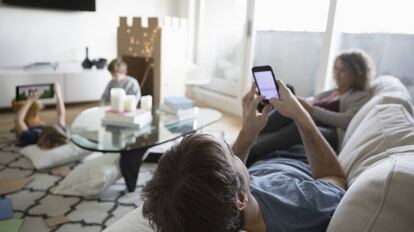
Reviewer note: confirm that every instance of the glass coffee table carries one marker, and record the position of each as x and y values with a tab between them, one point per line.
88	133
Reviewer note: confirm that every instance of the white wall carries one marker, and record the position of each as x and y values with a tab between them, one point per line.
32	35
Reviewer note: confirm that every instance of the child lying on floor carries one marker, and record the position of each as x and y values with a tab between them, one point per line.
46	137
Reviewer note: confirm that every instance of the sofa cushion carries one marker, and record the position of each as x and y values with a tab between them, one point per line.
380	199
385	90
384	127
376	100
391	86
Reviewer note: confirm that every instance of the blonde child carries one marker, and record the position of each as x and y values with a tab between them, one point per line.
46	137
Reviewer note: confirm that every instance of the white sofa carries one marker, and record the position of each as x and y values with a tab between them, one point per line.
378	157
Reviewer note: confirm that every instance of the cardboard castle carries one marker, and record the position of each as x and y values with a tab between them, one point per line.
156	54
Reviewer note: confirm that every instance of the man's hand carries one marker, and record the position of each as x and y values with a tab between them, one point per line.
322	159
253	122
288	105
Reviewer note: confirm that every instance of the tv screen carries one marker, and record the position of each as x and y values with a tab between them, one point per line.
82	5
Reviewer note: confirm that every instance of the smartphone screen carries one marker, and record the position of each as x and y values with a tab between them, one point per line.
25	91
266	84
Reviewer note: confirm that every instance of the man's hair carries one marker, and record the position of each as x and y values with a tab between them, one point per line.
51	137
117	66
194	189
361	66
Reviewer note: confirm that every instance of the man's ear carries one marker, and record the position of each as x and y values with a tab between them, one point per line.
241	201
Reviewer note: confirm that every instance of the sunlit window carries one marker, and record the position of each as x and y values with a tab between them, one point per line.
291	15
367	16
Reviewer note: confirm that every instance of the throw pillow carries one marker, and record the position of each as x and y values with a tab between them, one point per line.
92	177
42	159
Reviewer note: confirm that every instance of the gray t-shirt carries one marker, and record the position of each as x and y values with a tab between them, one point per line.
290	198
130	85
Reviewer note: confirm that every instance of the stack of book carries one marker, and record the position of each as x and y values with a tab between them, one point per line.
137	120
179	108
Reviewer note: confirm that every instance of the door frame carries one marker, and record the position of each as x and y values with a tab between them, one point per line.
225	102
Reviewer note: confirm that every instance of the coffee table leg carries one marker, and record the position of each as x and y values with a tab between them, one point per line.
130	163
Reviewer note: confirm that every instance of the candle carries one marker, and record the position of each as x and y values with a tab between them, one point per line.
117	99
146	102
130	103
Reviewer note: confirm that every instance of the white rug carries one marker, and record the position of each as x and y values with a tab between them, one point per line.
35	202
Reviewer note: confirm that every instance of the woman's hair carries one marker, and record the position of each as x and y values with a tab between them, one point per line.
194	189
51	137
360	64
117	66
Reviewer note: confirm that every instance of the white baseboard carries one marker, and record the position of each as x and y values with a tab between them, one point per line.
216	100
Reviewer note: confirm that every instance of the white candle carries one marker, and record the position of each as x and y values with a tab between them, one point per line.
146	102
117	99
130	103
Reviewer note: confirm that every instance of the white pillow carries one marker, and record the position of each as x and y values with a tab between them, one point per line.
385	127
381	199
53	157
92	177
132	222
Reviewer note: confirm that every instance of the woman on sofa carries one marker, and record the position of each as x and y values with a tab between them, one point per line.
331	110
46	137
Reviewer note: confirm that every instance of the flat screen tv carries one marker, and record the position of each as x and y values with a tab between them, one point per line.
82	5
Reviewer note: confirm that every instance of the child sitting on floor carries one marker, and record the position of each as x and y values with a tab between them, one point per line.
120	79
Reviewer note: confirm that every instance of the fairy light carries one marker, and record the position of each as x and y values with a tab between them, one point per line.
147	46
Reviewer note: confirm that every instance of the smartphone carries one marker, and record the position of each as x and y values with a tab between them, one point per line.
25	91
266	82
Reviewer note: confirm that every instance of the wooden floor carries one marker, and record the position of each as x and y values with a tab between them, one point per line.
228	126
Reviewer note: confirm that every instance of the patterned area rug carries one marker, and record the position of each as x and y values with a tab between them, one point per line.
35	202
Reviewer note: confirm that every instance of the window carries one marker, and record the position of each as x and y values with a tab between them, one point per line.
289	37
376	16
291	15
384	29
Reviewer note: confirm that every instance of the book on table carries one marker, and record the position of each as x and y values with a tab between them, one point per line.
179	102
138	119
180	114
